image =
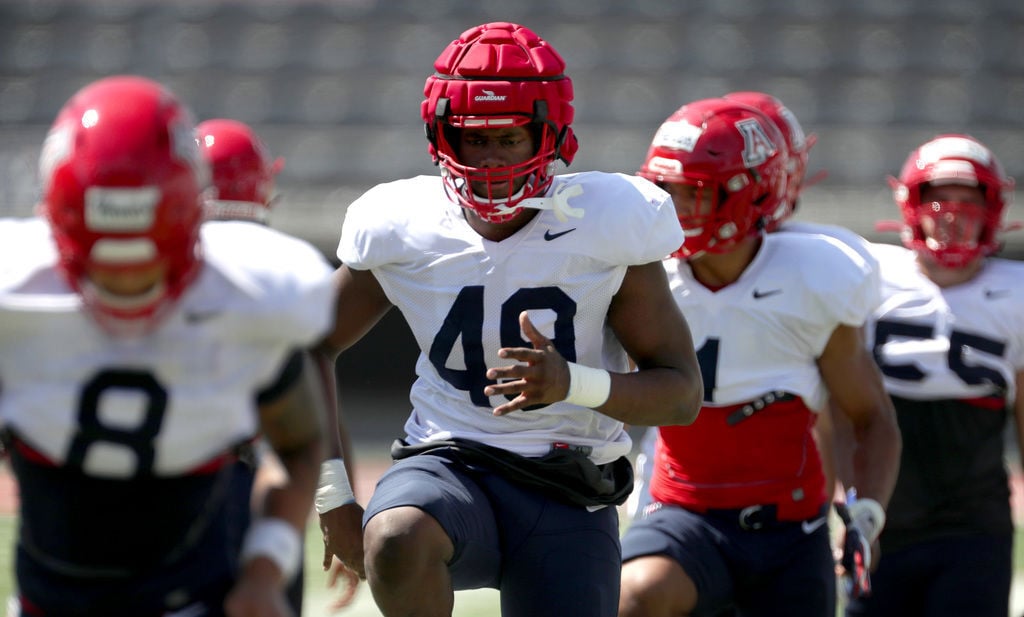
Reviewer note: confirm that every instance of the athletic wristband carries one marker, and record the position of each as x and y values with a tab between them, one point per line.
334	489
588	387
277	540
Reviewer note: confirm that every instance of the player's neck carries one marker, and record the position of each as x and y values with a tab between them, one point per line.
949	277
717	270
496	232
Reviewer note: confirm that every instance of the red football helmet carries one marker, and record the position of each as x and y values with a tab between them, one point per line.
734	156
797	143
494	76
122	179
243	171
953	234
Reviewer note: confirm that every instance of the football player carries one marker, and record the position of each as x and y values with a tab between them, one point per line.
798	145
525	290
242	168
738	517
141	353
949	338
244	173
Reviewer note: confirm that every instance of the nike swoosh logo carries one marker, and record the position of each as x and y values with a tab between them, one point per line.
991	294
551	236
764	294
810	527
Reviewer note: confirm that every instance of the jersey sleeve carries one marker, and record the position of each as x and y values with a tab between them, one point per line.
637	221
26	248
375	226
286	284
849	287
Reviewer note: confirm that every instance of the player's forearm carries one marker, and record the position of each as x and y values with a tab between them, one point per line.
293	500
654	397
337	441
876	459
293	425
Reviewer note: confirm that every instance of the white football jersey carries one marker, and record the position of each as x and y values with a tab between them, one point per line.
965	341
764	332
851	239
176	397
462	294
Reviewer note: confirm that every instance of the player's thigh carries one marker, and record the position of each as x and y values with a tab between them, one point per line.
899	584
975	578
791	573
702	584
449	494
560	559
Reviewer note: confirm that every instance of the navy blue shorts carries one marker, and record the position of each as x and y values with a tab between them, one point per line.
546	557
782	568
955	576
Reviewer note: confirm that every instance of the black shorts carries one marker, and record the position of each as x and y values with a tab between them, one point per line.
546	557
782	568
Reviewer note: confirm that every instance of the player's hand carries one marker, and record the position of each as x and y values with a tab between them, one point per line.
342	528
541	376
863	520
343	578
259	592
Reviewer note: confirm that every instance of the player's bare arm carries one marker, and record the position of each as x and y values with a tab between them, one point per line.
666	390
361	303
667	387
341	526
359	306
855	385
293	425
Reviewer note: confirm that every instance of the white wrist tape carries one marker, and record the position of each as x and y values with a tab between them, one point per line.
277	540
868	515
334	489
588	387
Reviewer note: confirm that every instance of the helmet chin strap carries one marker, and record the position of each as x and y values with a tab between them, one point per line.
558	202
502	207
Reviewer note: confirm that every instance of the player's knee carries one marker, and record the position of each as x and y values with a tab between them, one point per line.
655	587
404	542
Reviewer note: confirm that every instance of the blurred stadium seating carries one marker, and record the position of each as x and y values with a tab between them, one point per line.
335	85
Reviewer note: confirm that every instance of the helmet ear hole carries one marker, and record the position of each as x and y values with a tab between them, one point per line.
567	145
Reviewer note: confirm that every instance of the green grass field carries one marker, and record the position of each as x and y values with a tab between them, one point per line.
480	603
